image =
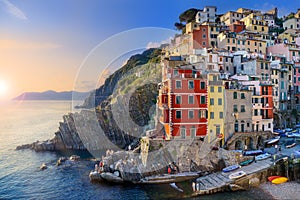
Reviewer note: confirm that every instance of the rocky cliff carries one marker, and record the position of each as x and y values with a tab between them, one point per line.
124	93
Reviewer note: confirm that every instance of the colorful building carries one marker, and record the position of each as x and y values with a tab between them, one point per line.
183	101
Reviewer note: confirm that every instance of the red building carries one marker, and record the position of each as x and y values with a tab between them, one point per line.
267	106
183	101
200	37
237	27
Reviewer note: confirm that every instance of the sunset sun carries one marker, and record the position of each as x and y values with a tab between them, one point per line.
3	88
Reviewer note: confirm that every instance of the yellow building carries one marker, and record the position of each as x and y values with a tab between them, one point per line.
290	35
231	17
216	109
255	22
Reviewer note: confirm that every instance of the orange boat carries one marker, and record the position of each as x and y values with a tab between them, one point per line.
271	178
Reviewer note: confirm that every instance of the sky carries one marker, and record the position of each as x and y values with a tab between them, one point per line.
52	45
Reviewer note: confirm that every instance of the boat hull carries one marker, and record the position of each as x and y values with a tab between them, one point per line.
279	180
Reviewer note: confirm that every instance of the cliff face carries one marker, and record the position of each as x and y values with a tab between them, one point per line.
124	93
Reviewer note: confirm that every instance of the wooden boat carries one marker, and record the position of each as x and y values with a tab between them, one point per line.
263	156
273	141
290	144
169	178
280	180
271	178
236	175
231	168
246	162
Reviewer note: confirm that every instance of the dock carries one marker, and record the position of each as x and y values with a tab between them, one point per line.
220	181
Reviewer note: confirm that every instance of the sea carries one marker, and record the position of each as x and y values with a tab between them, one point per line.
24	122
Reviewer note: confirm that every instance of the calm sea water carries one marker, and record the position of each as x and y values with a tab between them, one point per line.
20	177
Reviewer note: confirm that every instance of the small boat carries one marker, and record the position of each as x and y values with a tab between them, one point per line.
246	162
297	153
280	180
290	144
263	156
74	157
253	152
271	178
273	141
236	175
43	166
231	168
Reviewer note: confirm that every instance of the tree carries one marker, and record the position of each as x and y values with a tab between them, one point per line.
179	26
188	15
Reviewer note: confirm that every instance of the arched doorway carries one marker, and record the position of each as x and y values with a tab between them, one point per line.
238	145
260	142
251	143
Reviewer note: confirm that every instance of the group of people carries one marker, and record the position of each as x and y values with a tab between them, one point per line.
99	168
172	168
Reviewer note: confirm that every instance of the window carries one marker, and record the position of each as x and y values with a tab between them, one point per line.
203	114
242	67
182	132
248	42
219	89
212	115
266	66
235	95
261	65
202	85
235	108
243	108
212	89
178	114
193	132
255	112
255	43
191	84
269	125
176	72
191	99
219	101
228	40
203	43
178	84
212	101
191	114
178	99
212	29
221	115
202	100
243	96
255	27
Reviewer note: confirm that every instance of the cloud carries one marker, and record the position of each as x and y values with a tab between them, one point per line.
13	10
13	44
157	44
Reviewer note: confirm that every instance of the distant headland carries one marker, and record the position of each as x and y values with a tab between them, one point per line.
51	95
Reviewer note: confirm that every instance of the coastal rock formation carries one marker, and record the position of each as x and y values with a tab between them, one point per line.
103	126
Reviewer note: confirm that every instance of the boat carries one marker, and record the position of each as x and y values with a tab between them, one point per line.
290	144
252	153
169	178
246	162
43	166
280	180
263	156
74	157
231	168
271	178
273	141
297	153
236	175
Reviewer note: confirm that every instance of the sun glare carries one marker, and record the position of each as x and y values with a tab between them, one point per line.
3	88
